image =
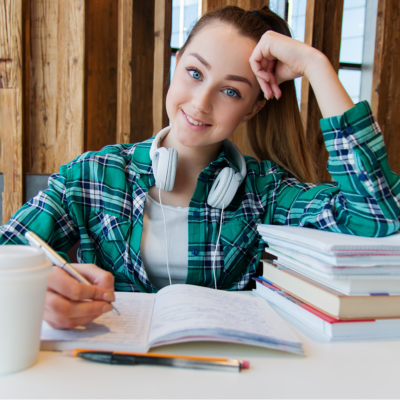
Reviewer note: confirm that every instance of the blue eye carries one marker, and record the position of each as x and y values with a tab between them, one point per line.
232	93
195	74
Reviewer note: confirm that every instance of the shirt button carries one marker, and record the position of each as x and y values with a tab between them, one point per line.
105	231
203	179
196	214
362	177
195	252
349	130
246	238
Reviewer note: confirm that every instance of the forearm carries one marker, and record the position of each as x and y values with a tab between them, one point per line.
44	215
366	199
331	96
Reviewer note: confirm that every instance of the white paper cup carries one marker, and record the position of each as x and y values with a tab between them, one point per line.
23	281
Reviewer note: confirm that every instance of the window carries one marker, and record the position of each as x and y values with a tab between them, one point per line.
296	18
351	48
185	14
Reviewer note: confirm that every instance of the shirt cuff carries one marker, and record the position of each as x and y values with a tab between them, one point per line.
355	127
355	145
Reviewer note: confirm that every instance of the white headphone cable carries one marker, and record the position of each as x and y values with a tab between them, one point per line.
165	229
216	247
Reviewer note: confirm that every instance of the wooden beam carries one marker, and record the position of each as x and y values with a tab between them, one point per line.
210	5
308	39
26	17
124	75
57	90
136	72
162	61
11	118
324	27
141	111
11	105
11	44
385	99
101	73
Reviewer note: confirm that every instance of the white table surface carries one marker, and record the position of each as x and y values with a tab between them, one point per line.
368	369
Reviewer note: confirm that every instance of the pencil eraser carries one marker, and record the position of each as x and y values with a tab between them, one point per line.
245	364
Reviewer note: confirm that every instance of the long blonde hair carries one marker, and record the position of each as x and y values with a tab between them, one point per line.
276	132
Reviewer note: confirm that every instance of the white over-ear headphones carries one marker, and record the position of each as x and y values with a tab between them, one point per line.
223	190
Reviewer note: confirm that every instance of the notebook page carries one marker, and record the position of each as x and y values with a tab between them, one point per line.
108	332
185	310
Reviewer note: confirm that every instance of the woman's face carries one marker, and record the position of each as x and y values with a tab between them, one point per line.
213	89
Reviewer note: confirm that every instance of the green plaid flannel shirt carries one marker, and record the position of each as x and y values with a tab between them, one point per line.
99	198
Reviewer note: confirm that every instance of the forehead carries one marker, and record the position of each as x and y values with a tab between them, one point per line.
223	47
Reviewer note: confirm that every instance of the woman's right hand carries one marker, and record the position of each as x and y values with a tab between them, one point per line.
278	58
66	304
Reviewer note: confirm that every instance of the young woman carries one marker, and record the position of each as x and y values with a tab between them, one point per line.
236	67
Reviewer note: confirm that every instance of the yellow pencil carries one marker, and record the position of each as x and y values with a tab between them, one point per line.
172	360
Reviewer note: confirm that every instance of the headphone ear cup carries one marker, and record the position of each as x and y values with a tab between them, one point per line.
223	189
164	168
171	172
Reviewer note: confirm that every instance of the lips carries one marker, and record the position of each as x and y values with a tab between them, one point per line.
195	121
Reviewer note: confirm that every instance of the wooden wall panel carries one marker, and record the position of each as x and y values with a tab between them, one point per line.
57	73
308	39
124	74
142	71
210	5
135	71
239	137
162	61
11	127
101	73
10	44
26	17
11	110
323	31
385	100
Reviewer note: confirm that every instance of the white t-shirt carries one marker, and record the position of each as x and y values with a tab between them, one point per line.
152	245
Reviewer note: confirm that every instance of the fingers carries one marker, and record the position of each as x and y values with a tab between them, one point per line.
75	309
263	66
70	303
265	87
63	283
96	275
62	313
268	85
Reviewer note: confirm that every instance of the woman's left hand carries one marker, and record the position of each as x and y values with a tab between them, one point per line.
278	58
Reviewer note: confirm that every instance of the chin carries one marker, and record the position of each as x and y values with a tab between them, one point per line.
189	139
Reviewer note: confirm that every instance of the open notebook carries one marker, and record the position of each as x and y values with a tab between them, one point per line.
178	313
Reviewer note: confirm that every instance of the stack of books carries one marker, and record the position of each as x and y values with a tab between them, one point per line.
343	286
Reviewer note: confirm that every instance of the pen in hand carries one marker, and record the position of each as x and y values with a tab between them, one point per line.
58	261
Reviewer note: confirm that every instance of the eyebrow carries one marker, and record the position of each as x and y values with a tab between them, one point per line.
228	77
238	79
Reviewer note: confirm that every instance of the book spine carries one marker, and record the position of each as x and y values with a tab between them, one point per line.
295	310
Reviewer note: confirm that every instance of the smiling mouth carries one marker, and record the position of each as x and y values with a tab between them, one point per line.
194	121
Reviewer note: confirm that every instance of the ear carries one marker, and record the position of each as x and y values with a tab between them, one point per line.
258	105
177	57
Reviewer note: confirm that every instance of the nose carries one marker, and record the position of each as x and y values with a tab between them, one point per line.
202	99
